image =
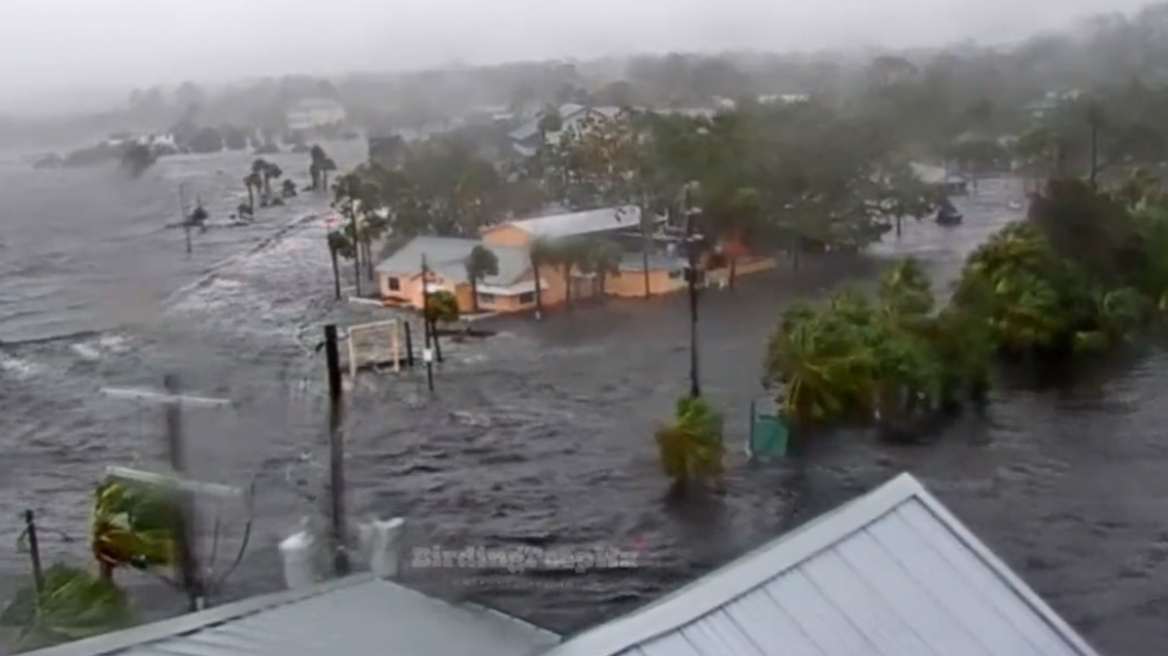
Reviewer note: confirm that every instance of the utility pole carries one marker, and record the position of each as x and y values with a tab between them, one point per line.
341	565
427	350
186	562
691	280
34	551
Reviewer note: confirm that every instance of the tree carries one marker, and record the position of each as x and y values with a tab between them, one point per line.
133	526
339	245
480	264
690	447
320	167
542	252
136	159
601	258
357	198
254	183
288	189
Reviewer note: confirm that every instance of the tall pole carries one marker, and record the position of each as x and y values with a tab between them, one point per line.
185	562
34	551
695	389
427	351
336	452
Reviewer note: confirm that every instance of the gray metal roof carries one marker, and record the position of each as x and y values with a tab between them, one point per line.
607	219
356	616
892	573
446	257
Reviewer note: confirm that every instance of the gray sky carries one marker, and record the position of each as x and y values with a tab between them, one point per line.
50	46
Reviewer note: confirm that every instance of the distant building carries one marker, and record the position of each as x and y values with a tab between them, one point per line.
526	137
314	113
1051	101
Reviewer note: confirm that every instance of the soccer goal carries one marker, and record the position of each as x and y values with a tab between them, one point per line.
376	343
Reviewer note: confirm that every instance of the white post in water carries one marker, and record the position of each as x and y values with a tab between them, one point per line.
297	551
381	542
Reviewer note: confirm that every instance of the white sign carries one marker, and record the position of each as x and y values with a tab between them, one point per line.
427	355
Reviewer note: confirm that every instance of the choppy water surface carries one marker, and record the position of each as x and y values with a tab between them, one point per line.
541	436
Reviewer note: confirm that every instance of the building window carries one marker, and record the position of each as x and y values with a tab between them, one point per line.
527	297
394	284
487	299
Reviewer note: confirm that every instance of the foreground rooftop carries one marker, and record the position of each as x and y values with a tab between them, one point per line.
892	573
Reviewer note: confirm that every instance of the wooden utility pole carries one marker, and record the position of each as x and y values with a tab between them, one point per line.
186	562
691	280
341	565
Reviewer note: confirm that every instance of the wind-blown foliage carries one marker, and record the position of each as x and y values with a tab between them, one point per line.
133	526
74	604
690	447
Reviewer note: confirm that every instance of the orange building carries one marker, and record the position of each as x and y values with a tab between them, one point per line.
514	288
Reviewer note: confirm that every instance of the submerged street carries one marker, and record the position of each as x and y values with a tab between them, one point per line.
542	435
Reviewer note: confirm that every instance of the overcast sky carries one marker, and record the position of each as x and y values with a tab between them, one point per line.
49	46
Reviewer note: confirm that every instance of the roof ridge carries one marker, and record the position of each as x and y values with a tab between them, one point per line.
736	578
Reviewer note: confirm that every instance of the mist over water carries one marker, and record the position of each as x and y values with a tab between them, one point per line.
539	436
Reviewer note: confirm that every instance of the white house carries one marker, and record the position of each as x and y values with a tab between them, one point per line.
312	113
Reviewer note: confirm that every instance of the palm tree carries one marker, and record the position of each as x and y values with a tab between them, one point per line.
602	258
133	526
480	264
270	172
690	447
568	254
254	183
320	167
339	246
542	251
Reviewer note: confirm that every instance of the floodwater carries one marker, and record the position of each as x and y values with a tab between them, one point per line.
541	436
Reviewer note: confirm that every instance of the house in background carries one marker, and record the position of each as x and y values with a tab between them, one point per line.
526	138
400	279
313	114
513	289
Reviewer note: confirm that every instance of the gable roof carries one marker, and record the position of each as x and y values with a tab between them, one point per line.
446	257
354	616
892	573
567	112
607	219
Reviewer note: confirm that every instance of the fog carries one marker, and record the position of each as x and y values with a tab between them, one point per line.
53	50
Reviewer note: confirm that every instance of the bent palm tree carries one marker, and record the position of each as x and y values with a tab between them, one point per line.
133	526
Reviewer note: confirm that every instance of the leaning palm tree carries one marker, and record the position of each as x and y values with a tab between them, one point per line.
133	526
480	264
253	183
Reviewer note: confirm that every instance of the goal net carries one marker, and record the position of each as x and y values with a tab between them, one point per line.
375	344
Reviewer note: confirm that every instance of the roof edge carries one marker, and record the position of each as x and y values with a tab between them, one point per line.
1003	571
734	579
109	643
